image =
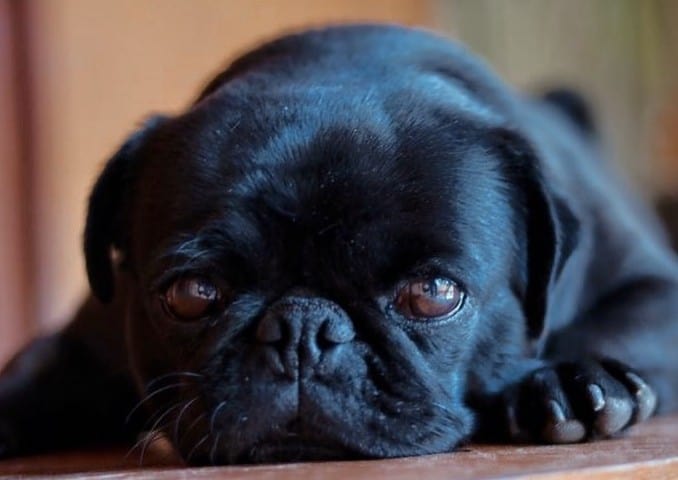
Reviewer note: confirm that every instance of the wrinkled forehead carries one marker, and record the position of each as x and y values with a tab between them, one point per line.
370	188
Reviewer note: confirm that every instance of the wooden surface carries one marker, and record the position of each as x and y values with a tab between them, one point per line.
649	451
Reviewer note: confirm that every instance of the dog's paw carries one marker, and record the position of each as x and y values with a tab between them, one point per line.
571	402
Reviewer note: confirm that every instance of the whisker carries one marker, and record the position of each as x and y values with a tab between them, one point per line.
148	397
213	450
159	414
213	418
172	374
151	433
148	436
191	427
196	446
154	428
150	439
177	422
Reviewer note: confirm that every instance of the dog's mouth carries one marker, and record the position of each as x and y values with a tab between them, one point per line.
296	445
295	450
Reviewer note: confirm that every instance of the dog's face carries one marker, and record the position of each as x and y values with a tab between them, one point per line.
309	281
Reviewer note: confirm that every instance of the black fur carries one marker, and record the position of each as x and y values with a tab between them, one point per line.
308	181
575	107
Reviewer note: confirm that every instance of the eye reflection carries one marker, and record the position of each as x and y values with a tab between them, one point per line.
428	298
192	298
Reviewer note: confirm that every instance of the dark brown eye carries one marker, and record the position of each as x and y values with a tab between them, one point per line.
434	298
192	298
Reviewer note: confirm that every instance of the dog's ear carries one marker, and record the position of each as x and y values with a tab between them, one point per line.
552	228
105	225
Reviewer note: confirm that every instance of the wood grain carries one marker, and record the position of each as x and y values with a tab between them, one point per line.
649	451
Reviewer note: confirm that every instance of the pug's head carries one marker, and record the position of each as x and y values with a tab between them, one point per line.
322	273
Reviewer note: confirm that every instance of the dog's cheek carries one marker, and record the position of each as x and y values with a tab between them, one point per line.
447	347
145	348
428	365
157	346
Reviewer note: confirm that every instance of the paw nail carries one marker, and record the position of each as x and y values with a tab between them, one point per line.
514	430
556	411
645	396
636	380
597	397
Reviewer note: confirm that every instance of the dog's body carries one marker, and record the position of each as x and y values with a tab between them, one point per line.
356	243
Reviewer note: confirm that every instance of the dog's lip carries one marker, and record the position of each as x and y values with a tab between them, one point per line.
297	448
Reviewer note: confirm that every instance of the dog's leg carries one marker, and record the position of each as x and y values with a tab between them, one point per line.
68	389
608	370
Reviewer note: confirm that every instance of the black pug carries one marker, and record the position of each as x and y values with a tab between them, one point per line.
357	243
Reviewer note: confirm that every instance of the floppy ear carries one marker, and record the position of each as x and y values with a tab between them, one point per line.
106	215
552	228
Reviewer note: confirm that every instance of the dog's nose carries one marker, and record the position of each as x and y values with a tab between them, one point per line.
297	332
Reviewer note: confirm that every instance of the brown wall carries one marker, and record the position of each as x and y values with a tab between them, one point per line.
13	284
622	54
97	68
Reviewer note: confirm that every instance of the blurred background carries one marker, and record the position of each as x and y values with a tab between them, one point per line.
76	76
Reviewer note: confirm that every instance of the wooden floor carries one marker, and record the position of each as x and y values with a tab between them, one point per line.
649	451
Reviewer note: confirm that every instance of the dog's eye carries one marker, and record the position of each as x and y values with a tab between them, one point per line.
423	299
192	298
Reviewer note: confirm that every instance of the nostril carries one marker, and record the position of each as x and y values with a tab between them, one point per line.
270	329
